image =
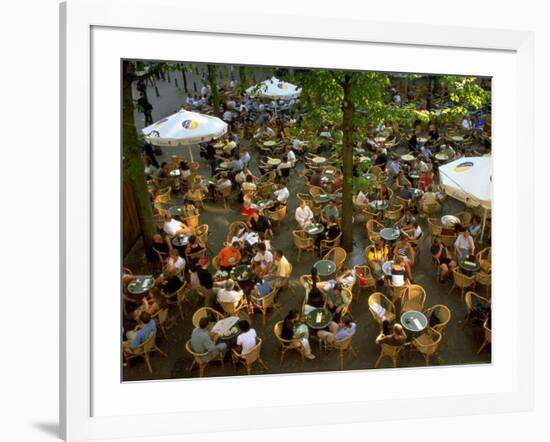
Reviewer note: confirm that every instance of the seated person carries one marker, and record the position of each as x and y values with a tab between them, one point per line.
283	269
337	331
336	298
361	200
475	227
295	330
315	179
246	341
261	288
464	244
283	169
446	261
414	231
426	180
194	245
404	250
203	341
174	262
223	182
330	210
337	181
162	245
281	194
229	294
205	281
173	227
263	260
398	271
229	256
406	194
145	328
378	256
395	339
304	215
429	198
333	229
151	304
196	193
314	298
384	193
260	223
169	282
407	220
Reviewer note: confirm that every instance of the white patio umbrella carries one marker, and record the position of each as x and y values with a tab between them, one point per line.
469	180
274	88
184	128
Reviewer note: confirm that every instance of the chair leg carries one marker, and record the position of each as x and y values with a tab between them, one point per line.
341	359
482	346
160	351
262	363
377	363
148	362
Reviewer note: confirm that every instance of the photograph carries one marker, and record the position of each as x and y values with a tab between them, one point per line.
289	220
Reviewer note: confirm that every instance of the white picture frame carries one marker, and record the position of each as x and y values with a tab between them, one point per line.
88	400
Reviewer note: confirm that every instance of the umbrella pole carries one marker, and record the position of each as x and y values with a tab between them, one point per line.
190	153
483	224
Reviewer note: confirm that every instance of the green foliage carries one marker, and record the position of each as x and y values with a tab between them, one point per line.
467	90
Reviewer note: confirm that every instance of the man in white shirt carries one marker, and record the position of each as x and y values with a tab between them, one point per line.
227	116
282	194
263	260
229	294
283	169
247	339
304	215
291	157
464	244
361	199
204	91
174	228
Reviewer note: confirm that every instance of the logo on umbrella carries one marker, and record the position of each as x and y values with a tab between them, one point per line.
282	86
190	124
463	167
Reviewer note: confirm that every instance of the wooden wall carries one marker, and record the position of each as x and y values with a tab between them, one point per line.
130	225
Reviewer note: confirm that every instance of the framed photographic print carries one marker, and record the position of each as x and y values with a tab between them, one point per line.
300	213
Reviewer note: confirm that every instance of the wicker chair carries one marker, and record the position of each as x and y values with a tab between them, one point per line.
161	318
470	299
249	359
413	298
483	279
484	259
373	229
338	256
164	196
390	351
394	214
377	300
464	217
435	229
143	351
286	345
181	298
234	228
229	308
367	215
364	277
461	281
397	291
443	314
277	215
427	343
302	241
314	190
205	312
327	244
487	336
201	232
430	209
264	303
342	345
198	359
224	194
192	221
448	240
265	189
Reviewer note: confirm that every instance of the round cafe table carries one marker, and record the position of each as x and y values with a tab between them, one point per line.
378	205
390	234
141	285
468	265
380	139
441	157
319	160
226	165
369	176
422	140
273	161
175	172
181	240
407	157
241	273
175	211
318	318
386	268
457	138
325	267
269	143
264	203
414	322
322	198
314	229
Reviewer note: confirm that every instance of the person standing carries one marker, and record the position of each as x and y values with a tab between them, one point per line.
146	108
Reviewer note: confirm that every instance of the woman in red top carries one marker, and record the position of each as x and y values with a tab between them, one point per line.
426	180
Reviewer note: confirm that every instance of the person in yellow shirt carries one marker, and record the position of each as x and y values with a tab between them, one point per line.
377	256
283	269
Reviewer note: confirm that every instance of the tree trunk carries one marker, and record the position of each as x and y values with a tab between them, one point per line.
242	78
184	79
430	92
133	166
347	169
214	89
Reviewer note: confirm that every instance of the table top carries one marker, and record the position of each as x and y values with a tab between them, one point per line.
380	139
219	144
141	284
407	157
470	265
264	203
314	229
416	192
228	328
319	159
449	220
274	161
386	267
442	157
389	233
325	267
379	204
414	321
176	210
414	176
241	273
457	138
322	198
175	172
421	139
181	240
369	176
226	165
270	143
318	318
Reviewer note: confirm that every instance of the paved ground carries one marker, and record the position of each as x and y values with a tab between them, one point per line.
459	347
